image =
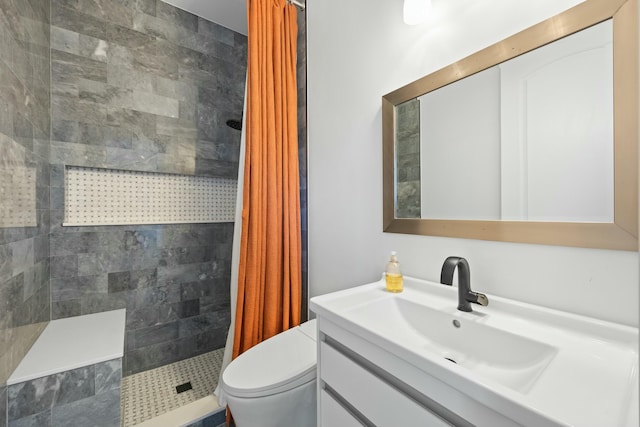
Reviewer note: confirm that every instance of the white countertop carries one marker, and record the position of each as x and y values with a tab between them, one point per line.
72	343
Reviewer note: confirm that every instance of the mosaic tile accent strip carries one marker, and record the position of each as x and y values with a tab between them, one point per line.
151	393
18	193
110	197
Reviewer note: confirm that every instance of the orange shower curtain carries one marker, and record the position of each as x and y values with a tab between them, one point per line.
269	279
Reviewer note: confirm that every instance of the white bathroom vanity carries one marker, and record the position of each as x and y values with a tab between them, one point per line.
413	359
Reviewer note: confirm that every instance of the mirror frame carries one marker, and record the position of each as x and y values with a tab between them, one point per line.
622	234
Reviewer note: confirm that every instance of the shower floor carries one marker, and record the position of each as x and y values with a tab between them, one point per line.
151	393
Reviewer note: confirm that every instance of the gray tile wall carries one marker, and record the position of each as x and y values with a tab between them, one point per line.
87	396
24	143
408	154
302	153
142	85
3	406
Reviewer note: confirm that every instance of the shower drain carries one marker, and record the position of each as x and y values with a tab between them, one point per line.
183	387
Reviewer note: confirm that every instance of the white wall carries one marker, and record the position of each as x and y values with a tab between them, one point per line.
359	50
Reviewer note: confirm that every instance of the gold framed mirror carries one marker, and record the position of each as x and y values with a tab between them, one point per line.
621	232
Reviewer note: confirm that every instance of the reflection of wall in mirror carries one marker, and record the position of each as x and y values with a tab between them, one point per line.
460	155
557	115
408	159
530	139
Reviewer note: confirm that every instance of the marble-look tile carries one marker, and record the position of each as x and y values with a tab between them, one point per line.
212	339
145	102
101	410
64	266
139	123
108	375
65	40
65	308
119	158
131	39
71	109
216	31
226	149
129	78
177	127
22	255
177	16
157	64
156	334
6	262
77	287
56	175
175	89
3	405
78	154
74	243
159	28
118	12
146	6
94	48
184	273
73	20
180	147
188	308
188	111
176	256
159	295
176	164
98	303
11	293
35	396
41	419
12	154
130	280
195	290
75	384
217	168
151	356
93	91
36	278
41	248
201	324
65	130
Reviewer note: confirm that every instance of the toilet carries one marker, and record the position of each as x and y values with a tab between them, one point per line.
273	384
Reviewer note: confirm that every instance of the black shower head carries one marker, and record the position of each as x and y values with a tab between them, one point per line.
235	124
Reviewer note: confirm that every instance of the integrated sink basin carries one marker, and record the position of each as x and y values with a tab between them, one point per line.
534	365
506	358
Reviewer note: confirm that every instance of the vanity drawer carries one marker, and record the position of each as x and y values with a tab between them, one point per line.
334	414
379	402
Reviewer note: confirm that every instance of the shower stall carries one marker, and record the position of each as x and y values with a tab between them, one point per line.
119	153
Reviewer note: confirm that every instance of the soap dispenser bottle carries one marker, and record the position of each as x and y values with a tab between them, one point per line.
393	275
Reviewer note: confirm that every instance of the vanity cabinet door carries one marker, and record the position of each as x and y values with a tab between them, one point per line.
380	403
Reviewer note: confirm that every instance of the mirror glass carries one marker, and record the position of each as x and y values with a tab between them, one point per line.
529	139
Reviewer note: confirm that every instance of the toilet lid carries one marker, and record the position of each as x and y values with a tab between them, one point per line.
280	363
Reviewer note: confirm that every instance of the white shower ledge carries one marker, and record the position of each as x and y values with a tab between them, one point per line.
72	343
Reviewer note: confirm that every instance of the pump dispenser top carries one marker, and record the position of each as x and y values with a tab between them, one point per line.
393	275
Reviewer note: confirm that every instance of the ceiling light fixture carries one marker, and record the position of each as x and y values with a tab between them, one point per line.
416	11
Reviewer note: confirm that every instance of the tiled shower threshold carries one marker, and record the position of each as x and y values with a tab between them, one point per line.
150	398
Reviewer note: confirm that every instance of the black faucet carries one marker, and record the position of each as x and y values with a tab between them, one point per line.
465	294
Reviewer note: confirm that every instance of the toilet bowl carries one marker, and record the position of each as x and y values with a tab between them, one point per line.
274	383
